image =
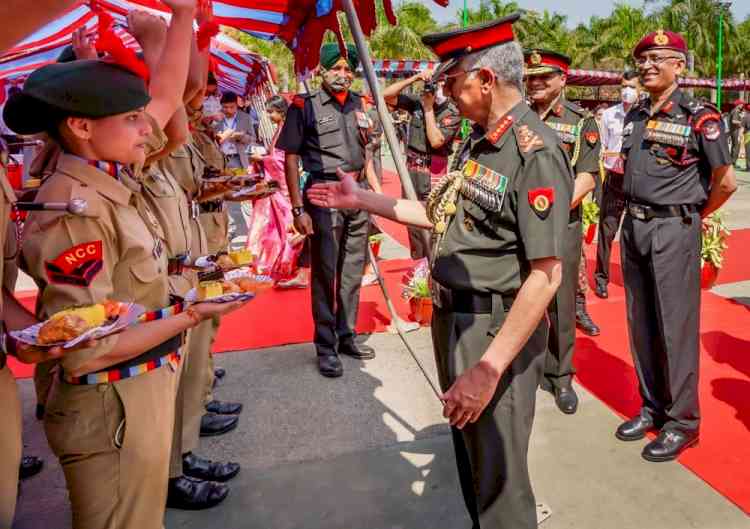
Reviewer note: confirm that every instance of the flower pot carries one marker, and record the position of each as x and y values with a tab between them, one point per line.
375	245
591	233
709	274
421	310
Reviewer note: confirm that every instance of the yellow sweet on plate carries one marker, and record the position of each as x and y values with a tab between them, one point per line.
210	289
241	257
94	315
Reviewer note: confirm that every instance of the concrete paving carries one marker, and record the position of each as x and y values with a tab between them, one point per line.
372	451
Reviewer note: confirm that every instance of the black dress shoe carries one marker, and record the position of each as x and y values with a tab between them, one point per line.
39	412
601	290
330	366
224	408
360	352
634	429
219	372
669	445
200	468
566	400
30	466
192	494
586	324
213	424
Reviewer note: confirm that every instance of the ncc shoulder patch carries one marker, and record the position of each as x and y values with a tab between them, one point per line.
541	200
76	266
592	137
708	125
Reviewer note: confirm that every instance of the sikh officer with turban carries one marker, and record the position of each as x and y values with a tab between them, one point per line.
328	130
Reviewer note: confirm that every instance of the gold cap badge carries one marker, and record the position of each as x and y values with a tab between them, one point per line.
661	39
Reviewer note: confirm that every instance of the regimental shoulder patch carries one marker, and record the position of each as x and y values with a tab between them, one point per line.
711	130
592	137
541	200
528	140
76	266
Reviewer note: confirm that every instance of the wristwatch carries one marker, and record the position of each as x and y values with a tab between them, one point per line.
296	212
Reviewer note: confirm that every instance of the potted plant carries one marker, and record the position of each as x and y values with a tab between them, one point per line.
375	241
590	220
417	291
713	244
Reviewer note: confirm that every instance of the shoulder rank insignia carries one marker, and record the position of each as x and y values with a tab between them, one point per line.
592	137
528	140
76	266
541	200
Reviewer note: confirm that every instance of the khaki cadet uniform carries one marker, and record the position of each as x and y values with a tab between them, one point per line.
169	203
186	166
112	439
579	135
214	219
423	162
10	404
512	208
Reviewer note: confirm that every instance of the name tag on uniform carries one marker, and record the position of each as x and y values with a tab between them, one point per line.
326	119
566	133
362	120
483	186
675	134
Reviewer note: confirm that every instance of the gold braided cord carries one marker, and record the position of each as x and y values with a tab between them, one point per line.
577	150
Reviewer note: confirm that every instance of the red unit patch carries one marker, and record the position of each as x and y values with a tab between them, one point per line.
592	137
76	266
541	200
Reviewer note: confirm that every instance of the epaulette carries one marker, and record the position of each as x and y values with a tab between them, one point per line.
693	106
576	108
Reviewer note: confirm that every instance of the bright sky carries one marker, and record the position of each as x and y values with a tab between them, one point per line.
576	10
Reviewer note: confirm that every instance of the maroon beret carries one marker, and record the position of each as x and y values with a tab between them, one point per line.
661	40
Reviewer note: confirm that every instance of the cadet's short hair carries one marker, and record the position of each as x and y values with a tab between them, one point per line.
229	97
506	60
277	103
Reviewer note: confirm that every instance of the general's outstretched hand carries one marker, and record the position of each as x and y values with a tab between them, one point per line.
336	195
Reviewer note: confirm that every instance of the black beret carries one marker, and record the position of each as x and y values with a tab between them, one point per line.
89	88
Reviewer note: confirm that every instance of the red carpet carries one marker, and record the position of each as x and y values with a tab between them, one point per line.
605	368
604	363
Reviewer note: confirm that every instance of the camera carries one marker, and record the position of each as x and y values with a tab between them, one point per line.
430	87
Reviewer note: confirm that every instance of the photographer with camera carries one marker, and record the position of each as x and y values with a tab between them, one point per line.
434	124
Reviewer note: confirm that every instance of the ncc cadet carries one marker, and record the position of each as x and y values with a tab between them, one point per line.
328	130
546	73
499	221
214	220
736	116
678	170
110	411
433	126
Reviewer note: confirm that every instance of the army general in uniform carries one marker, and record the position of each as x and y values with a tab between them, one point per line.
546	73
328	130
499	220
678	170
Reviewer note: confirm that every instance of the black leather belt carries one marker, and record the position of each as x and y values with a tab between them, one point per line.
314	175
211	207
647	212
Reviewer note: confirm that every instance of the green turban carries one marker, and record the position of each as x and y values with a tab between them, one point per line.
330	54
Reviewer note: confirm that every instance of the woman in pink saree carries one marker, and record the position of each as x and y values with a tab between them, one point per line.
271	236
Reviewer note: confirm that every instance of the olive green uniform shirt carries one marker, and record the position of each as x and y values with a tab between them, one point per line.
577	130
489	249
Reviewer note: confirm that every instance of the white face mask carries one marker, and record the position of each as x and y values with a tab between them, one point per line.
439	95
629	95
